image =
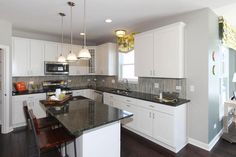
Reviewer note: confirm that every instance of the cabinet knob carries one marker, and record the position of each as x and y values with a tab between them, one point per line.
128	100
128	105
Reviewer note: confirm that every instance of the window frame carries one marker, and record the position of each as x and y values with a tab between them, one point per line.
120	74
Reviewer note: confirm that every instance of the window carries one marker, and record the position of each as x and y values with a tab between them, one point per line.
126	66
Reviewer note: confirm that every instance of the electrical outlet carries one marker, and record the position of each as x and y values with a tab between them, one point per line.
113	81
215	126
192	88
178	87
156	85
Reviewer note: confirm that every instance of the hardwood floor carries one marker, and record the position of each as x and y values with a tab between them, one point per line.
19	144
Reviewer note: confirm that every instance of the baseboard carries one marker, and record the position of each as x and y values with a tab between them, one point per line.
203	145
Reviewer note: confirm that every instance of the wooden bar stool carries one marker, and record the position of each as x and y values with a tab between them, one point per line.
50	139
43	123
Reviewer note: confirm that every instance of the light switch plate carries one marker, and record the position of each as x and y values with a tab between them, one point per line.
178	87
156	85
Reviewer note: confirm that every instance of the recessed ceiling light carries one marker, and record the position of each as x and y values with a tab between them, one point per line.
82	33
108	20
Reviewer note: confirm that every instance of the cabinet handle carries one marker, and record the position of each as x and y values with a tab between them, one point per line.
153	115
151	106
154	73
150	115
128	100
128	105
150	72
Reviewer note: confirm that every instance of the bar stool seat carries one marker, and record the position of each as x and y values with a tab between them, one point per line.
52	138
47	140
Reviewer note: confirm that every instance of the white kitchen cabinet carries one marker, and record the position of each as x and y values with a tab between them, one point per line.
27	57
169	51
20	56
18	116
106	61
36	58
160	52
51	51
162	124
144	54
162	131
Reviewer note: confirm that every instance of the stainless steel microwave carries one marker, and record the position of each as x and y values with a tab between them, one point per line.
56	68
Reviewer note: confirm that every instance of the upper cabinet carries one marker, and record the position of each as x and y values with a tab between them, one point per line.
20	56
160	52
51	51
106	59
27	57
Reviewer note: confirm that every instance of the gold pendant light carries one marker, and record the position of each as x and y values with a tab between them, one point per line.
71	56
84	54
61	58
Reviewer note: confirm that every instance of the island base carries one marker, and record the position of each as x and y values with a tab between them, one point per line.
99	142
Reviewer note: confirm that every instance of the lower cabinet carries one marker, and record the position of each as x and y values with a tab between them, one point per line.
18	116
164	125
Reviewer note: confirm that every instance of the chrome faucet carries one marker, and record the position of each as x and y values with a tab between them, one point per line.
126	84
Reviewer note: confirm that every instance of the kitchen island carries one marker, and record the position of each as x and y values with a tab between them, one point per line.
96	126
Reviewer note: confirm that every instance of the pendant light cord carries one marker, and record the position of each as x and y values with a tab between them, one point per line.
71	34
62	33
85	34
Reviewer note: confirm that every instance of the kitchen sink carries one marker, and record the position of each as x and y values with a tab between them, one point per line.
120	91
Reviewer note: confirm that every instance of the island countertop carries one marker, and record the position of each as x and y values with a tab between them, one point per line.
80	114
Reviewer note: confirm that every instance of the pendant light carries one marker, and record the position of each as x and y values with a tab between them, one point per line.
71	56
61	58
84	54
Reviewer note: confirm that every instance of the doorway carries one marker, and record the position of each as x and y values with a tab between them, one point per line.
5	92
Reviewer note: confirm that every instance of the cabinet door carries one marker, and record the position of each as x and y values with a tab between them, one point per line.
163	127
18	116
101	59
131	122
36	58
20	56
144	120
169	52
143	51
38	109
51	51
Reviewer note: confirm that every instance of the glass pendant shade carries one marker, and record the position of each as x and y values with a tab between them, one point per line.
71	57
61	58
84	54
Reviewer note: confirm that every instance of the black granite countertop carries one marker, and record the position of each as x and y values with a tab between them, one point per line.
132	94
80	114
146	97
28	92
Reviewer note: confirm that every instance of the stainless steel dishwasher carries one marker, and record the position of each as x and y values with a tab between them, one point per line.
98	96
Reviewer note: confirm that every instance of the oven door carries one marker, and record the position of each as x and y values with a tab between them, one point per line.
55	68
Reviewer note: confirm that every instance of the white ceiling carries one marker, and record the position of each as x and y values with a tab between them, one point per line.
228	12
41	15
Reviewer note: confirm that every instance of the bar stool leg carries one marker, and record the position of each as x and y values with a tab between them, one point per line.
75	148
66	155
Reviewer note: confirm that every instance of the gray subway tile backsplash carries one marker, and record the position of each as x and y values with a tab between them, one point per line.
144	85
